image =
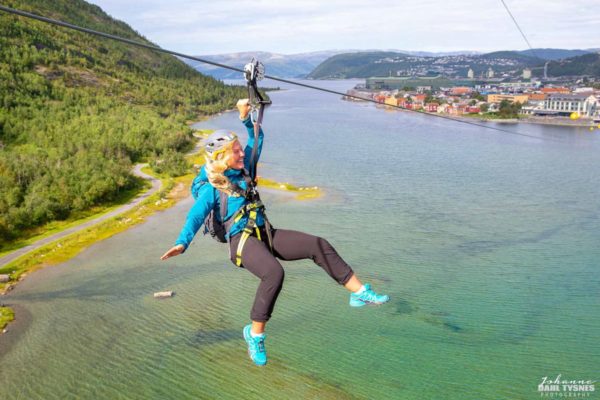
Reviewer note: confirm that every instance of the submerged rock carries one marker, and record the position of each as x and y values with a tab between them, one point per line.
163	295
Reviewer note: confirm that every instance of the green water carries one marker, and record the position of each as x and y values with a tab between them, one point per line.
486	242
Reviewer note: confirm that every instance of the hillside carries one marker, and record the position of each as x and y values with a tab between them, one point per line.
587	64
76	111
554	54
503	63
356	65
515	56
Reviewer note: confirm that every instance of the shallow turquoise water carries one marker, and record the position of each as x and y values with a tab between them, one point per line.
486	242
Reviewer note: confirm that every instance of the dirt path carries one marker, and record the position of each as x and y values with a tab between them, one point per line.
137	171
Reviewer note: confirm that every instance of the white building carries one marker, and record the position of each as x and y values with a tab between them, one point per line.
564	104
490	72
526	73
470	73
589	90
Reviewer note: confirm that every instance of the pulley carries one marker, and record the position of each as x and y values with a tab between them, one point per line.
255	71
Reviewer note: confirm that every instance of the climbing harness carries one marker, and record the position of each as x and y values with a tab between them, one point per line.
213	223
251	210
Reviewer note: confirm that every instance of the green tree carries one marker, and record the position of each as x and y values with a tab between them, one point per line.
477	96
508	109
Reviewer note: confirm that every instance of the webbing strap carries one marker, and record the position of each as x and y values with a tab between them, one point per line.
245	235
238	254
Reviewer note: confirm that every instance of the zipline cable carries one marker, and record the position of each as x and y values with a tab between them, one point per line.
520	30
158	49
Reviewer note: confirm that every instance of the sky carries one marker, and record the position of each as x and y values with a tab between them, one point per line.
204	27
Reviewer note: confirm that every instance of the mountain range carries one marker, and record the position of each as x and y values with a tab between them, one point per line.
318	65
497	64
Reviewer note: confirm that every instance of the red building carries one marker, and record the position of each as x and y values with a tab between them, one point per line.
402	102
431	107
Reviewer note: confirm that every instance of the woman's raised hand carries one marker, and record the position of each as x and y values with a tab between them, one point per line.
173	251
243	106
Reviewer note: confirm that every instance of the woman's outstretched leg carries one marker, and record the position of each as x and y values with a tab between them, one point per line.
293	245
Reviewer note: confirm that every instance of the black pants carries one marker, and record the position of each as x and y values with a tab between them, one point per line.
287	245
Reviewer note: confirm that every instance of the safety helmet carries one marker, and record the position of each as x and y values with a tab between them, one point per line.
217	142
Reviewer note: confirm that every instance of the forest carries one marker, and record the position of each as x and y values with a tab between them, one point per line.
78	111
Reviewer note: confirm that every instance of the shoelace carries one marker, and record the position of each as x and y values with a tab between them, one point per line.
370	295
261	345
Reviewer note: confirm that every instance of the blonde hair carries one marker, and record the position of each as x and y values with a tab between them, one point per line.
215	169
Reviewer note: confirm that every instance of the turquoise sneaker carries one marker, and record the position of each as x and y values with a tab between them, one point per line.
367	297
256	347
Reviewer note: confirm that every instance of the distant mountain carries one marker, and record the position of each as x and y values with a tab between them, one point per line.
554	54
356	65
279	65
438	53
502	63
515	56
364	65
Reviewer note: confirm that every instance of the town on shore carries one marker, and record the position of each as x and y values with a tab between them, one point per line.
574	103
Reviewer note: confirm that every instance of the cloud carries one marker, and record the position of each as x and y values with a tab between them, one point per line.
204	27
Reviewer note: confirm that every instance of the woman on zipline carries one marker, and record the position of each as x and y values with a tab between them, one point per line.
254	244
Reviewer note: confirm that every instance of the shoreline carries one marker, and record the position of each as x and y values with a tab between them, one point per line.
589	124
528	120
567	122
172	191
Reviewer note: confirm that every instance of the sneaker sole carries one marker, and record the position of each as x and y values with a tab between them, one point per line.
368	303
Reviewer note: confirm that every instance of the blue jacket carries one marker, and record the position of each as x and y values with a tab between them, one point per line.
208	196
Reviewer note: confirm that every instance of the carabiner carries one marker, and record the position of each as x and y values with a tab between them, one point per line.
253	113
